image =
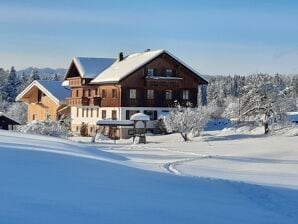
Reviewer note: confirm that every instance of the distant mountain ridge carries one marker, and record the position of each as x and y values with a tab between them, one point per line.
43	72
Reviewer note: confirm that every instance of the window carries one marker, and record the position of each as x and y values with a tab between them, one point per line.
77	128
150	94
151	113
185	94
39	96
169	72
91	129
114	114
114	93
129	113
103	114
97	112
96	92
33	117
91	111
150	72
77	112
83	110
168	94
87	112
89	92
132	94
77	93
103	93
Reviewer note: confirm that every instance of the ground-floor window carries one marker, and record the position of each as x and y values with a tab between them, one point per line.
114	114
103	114
129	113
151	113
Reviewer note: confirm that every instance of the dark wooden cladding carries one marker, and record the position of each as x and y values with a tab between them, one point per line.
181	79
168	75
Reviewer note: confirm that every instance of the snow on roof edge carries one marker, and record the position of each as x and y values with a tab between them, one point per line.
5	115
39	85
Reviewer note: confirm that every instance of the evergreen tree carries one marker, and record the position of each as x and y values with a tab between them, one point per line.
34	75
12	84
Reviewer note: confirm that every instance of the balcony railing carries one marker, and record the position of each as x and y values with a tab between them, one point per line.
84	101
162	81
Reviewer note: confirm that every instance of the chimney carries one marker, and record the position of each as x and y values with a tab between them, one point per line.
120	57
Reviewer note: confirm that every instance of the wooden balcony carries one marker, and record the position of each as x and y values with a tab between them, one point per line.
162	82
84	101
79	101
95	101
75	82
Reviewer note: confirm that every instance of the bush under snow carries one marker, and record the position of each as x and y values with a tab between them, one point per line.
186	120
48	127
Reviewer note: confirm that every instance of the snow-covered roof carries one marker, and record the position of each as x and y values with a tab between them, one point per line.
91	67
52	89
292	116
121	69
114	122
2	114
140	117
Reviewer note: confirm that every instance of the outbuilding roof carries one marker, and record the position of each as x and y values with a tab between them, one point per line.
52	89
2	114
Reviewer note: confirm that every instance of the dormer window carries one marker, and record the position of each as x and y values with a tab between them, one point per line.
150	72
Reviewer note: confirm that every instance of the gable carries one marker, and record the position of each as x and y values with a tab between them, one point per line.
167	61
132	63
72	71
88	68
53	89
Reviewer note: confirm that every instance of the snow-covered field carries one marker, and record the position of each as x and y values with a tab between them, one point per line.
222	177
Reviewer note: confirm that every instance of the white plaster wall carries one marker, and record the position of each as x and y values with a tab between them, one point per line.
91	120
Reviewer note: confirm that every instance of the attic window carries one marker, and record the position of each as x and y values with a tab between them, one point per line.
150	71
39	96
132	94
169	72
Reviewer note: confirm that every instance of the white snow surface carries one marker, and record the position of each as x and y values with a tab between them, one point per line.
222	177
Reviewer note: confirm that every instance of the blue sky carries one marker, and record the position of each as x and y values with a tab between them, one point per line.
213	36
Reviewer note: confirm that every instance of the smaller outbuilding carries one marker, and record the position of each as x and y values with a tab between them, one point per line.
7	123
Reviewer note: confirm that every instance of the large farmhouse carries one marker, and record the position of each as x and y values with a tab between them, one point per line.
116	88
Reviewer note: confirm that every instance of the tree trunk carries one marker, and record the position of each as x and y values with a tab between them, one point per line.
266	128
184	136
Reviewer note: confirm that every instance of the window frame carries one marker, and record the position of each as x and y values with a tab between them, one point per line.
103	114
185	94
132	94
150	72
169	94
150	94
